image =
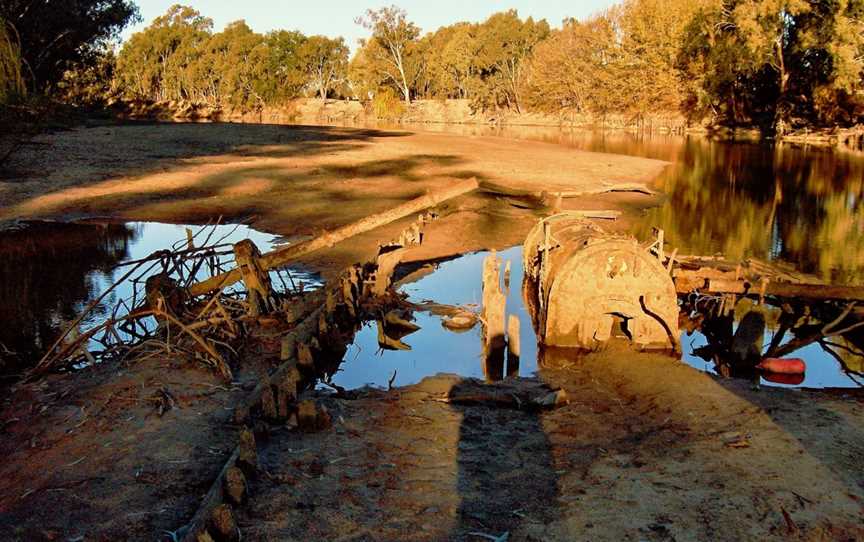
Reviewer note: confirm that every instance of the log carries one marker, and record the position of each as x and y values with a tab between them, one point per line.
282	256
686	285
211	500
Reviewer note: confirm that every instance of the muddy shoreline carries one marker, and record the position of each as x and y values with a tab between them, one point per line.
647	448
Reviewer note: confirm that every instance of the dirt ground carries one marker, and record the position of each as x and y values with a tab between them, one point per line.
647	448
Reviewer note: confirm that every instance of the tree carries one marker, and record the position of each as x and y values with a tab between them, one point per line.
324	62
450	70
285	72
390	45
162	62
239	58
11	78
578	69
769	61
505	43
55	35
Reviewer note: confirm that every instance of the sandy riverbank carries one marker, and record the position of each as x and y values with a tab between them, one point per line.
647	449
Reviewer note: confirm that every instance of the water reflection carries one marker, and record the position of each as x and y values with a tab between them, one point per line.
773	202
435	349
49	272
769	202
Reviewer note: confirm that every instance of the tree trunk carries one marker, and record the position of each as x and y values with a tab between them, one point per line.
781	109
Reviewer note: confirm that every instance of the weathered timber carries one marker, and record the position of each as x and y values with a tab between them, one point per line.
211	500
685	285
605	188
514	348
281	256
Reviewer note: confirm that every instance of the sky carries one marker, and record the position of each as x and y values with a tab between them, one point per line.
336	17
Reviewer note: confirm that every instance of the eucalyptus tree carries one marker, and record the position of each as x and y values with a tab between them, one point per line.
324	62
54	35
389	49
771	61
505	44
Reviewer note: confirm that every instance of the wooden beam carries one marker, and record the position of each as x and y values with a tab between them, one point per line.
282	256
687	284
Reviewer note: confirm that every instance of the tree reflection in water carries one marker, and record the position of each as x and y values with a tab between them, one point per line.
48	273
766	201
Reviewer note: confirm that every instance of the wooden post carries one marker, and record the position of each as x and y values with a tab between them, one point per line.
514	348
255	277
494	308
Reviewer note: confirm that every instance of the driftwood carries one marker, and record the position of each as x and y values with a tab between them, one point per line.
605	188
687	284
280	257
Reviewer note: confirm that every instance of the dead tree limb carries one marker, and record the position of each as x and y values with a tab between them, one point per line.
279	257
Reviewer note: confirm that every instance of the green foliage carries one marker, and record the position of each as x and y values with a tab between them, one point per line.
505	44
622	60
324	62
776	62
773	63
483	62
392	52
12	85
57	35
178	57
90	83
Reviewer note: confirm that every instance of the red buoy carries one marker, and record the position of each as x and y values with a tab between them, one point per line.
780	378
787	366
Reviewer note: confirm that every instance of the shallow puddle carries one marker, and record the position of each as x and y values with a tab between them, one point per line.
435	349
50	272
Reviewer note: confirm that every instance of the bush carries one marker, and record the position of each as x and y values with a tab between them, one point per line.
387	105
11	79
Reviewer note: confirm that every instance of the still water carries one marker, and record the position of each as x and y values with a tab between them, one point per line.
782	202
50	272
435	349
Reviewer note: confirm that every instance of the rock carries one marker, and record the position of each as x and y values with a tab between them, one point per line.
235	486
554	399
461	321
223	524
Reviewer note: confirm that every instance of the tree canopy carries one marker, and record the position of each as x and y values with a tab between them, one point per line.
770	63
179	57
57	35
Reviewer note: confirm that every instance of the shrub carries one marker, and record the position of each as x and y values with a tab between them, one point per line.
11	79
387	105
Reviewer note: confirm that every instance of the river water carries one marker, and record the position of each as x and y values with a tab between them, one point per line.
801	206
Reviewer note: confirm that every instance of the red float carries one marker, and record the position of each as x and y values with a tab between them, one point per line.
787	366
